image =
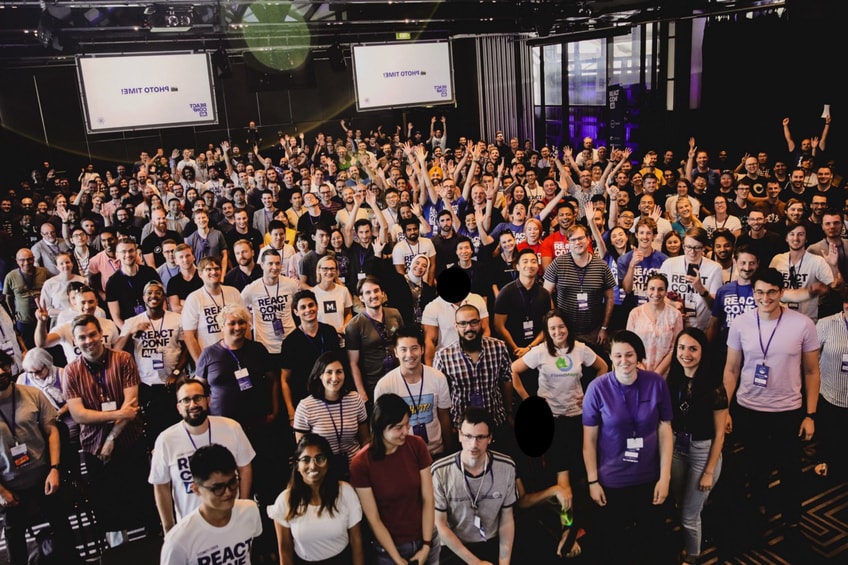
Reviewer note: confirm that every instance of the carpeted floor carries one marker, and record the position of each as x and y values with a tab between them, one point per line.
733	531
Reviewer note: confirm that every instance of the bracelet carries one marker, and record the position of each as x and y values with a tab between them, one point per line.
593	482
111	437
603	328
427	542
811	416
56	466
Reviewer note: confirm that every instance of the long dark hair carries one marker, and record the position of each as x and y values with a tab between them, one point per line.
314	385
300	493
706	378
569	340
389	409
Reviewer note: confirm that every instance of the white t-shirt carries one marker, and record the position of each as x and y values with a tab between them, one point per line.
404	252
200	313
559	376
55	294
268	304
442	314
731	223
173	450
431	394
157	349
194	541
332	304
72	352
68	315
317	538
696	313
288	252
809	270
9	341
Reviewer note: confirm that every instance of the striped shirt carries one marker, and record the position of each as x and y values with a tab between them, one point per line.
337	422
833	362
120	372
470	381
570	281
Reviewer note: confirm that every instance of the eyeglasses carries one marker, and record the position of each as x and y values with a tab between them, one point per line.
470	437
319	460
328	269
218	489
770	293
197	399
577	239
693	247
465	324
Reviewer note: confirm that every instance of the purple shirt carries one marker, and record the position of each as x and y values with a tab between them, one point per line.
622	412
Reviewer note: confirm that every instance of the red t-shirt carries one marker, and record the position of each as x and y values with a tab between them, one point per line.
396	483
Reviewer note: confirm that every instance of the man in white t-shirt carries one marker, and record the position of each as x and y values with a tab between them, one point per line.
405	251
269	301
169	467
201	308
424	388
222	528
693	279
86	303
802	269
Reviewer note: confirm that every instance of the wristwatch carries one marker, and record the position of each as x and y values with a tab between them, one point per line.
706	292
811	416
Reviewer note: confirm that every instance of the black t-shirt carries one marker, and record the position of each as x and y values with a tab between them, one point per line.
153	244
307	223
520	306
178	286
445	251
299	353
235	277
765	248
360	260
253	236
128	291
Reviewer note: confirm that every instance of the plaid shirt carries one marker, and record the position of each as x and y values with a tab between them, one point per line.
484	377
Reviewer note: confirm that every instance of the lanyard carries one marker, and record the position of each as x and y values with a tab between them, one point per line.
223	298
340	429
12	424
28	281
162	325
581	272
233	355
476	497
795	272
191	439
383	336
633	415
527	298
268	294
760	335
100	379
420	390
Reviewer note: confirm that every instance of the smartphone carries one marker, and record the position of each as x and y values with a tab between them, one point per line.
691	271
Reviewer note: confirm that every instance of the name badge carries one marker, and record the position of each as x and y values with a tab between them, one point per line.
138	309
583	301
477	399
20	455
360	276
277	324
761	375
243	379
845	362
158	361
110	406
635	443
528	329
421	431
631	456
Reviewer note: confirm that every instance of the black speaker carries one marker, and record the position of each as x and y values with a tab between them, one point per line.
337	59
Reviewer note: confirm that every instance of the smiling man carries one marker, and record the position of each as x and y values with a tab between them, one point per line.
169	469
222	528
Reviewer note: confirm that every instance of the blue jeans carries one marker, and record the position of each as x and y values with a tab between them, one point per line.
407	550
686	471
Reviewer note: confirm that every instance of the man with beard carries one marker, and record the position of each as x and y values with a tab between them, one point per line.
723	242
733	298
29	472
22	289
151	246
160	355
169	468
479	371
45	251
124	224
125	288
405	251
246	270
802	269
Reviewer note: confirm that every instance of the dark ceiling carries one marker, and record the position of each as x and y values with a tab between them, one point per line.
40	32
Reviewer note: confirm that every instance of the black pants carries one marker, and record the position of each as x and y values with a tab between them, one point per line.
160	410
831	432
630	528
486	551
34	503
770	440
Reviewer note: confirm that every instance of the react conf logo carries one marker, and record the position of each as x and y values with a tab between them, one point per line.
148	89
200	109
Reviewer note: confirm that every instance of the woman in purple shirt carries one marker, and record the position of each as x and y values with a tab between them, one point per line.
627	449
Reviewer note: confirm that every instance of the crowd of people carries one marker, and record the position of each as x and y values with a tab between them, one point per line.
256	349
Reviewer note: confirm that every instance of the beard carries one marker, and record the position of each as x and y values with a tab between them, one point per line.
195	420
473	344
5	381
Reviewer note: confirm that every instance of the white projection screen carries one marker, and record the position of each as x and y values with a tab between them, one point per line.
397	75
133	92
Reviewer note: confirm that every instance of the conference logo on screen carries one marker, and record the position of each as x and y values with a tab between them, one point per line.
200	109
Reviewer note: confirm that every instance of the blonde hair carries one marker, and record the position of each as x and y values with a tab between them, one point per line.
236	311
323	261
